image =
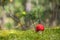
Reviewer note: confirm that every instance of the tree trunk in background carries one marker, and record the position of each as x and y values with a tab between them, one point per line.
3	19
27	7
53	20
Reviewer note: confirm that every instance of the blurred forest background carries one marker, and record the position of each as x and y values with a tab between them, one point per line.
25	14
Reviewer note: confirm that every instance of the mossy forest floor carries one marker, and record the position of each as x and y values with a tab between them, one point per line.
47	34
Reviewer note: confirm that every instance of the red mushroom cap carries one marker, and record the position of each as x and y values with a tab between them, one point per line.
40	27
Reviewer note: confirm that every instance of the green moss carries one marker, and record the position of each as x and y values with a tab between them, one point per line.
48	34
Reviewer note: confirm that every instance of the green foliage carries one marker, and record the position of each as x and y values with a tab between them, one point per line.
38	11
8	25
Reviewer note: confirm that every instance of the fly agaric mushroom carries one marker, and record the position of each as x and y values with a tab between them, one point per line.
39	27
